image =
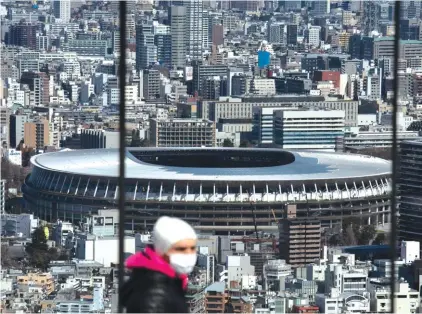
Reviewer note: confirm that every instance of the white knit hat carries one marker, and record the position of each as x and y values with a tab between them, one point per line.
168	231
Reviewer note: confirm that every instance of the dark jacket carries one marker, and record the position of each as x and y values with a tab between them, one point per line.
153	286
228	308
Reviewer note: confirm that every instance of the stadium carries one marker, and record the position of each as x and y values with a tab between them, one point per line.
218	190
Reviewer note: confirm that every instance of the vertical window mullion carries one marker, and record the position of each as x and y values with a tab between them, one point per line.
122	149
394	175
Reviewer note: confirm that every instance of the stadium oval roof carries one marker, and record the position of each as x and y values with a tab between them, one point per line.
312	166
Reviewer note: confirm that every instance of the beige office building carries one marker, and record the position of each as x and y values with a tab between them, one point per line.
37	134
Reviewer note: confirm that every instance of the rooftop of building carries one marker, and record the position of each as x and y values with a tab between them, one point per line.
215	164
216	287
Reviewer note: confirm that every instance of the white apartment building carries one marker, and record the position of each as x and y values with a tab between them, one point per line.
262	86
208	263
314	36
346	279
275	33
336	302
104	250
62	10
367	119
113	94
236	268
273	271
249	282
406	299
311	129
72	68
410	251
264	121
316	271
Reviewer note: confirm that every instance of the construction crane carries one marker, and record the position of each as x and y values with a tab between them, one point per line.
253	206
275	218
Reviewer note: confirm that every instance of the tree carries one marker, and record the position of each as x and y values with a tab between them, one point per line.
380	239
355	232
335	240
39	253
349	236
228	143
27	153
245	143
6	260
366	235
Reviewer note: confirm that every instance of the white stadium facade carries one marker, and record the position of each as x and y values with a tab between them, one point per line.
218	190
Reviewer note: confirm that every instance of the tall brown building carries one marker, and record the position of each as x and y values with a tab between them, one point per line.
217	35
37	134
300	239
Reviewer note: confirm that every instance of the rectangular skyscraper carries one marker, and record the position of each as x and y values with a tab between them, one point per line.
275	33
193	28
291	34
146	51
62	10
178	46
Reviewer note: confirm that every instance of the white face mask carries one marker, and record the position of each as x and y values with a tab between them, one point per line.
183	264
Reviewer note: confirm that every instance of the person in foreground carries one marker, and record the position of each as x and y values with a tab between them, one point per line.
159	274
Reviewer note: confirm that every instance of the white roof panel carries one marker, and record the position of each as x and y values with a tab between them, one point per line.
307	166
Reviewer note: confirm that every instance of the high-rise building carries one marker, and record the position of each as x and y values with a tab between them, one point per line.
408	30
384	48
23	34
217	34
410	208
36	134
4	126
291	34
146	51
163	43
34	82
320	7
115	41
212	87
410	9
238	85
193	28
275	33
200	71
62	10
300	239
371	16
205	30
151	79
314	36
17	129
292	5
177	28
2	196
